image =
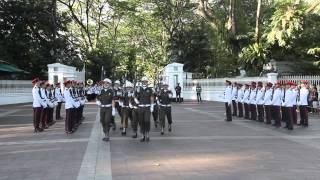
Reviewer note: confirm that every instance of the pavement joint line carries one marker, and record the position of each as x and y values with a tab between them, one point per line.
253	137
8	113
203	112
96	162
51	141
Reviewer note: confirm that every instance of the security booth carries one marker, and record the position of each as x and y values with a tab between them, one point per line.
173	74
59	73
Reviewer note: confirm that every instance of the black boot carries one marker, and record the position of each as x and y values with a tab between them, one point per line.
162	130
135	135
169	128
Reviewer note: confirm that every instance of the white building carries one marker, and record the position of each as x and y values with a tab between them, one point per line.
59	73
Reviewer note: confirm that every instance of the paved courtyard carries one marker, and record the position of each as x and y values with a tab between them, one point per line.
202	146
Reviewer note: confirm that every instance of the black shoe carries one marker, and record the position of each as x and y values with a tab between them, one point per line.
155	124
123	133
147	139
162	131
106	139
114	127
169	128
135	135
143	139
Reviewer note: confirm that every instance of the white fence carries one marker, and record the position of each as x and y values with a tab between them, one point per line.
15	91
213	89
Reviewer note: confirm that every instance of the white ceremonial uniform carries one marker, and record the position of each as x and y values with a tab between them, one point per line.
303	97
288	99
277	97
234	93
267	97
246	96
45	98
37	101
240	95
69	102
260	96
253	96
58	95
228	95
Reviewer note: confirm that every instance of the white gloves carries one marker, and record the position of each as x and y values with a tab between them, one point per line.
136	100
98	103
120	104
113	111
151	107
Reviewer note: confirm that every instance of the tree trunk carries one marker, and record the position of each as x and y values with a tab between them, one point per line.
231	22
257	30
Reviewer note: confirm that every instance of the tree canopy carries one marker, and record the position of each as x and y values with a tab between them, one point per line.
131	38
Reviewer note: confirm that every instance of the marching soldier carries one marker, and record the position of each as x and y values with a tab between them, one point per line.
228	100
117	95
234	98
106	102
288	104
245	100
252	101
303	103
134	109
144	98
259	101
60	99
240	100
125	109
276	104
37	105
164	102
267	102
155	113
198	90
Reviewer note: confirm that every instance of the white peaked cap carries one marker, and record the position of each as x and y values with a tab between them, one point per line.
117	82
144	78
107	80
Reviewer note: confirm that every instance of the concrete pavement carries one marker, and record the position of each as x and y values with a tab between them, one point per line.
201	146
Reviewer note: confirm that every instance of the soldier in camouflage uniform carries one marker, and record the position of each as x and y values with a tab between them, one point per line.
144	98
164	102
106	102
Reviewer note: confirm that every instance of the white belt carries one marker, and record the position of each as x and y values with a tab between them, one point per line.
126	106
108	105
165	105
144	105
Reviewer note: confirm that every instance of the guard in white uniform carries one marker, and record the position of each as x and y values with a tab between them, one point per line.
288	104
60	99
37	105
276	104
252	101
234	98
303	103
228	100
240	100
245	101
259	101
267	102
